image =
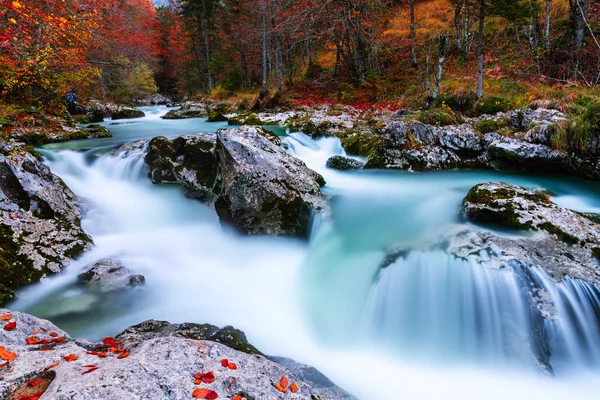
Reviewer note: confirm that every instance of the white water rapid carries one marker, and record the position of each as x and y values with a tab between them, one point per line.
428	326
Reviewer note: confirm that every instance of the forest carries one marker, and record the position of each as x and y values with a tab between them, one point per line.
403	54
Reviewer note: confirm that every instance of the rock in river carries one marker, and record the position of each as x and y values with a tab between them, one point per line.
127	113
152	360
110	275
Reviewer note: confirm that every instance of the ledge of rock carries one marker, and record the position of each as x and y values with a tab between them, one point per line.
40	229
146	361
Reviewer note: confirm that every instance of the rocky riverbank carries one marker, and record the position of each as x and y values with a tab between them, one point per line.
152	360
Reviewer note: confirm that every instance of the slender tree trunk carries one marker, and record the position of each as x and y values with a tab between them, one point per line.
277	43
413	34
427	71
265	88
207	45
467	34
579	11
443	47
480	49
457	24
548	3
534	25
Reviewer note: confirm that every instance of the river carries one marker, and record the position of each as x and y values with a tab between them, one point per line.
427	327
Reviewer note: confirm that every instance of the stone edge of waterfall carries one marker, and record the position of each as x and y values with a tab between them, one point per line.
152	358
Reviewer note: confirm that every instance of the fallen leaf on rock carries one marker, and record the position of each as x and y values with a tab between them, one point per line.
89	366
32	340
208	377
110	341
91	369
4	365
284	382
35	382
7	355
197	381
211	395
53	334
35	332
238	397
123	355
51	366
294	387
6	317
97	353
232	366
199	393
70	357
225	362
11	326
44	329
280	388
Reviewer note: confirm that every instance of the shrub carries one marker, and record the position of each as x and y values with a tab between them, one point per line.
439	117
492	105
234	80
462	101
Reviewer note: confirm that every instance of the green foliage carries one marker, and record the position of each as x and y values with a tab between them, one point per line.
462	101
574	134
492	105
439	117
234	80
132	81
492	125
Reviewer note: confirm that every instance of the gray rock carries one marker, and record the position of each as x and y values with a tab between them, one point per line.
157	367
264	189
344	163
97	131
40	218
127	113
188	110
110	275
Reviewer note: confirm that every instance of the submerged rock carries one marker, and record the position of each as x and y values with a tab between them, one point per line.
40	229
344	163
127	113
264	189
157	360
257	187
110	275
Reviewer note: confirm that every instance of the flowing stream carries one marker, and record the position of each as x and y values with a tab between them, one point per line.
428	326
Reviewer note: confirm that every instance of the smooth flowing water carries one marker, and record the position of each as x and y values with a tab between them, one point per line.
428	326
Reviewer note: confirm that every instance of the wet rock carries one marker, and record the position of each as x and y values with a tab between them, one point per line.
188	110
190	160
97	131
161	363
247	119
110	275
215	116
344	163
127	113
264	189
40	218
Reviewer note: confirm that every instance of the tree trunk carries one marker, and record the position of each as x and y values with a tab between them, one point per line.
467	42
480	49
548	2
207	45
534	26
427	70
413	34
265	88
443	47
579	12
457	24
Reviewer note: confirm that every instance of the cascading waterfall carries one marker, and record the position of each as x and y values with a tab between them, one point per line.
379	332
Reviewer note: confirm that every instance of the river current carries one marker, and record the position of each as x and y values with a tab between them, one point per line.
428	326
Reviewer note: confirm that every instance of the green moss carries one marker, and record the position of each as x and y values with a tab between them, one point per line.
248	119
358	143
562	235
215	116
439	117
81	119
492	105
596	253
492	211
492	125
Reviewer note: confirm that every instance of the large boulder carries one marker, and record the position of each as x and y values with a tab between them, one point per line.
97	131
109	275
40	221
257	187
190	160
264	189
148	361
127	113
344	163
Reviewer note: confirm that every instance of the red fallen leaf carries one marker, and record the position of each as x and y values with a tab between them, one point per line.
115	350
199	393
46	348
211	395
70	357
232	366
110	341
11	326
33	397
4	365
197	381
284	382
225	362
35	332
97	353
32	340
123	355
44	329
280	388
51	366
89	366
35	382
91	369
238	397
294	388
53	334
7	355
6	317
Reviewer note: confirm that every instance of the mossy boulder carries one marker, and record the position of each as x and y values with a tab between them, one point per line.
250	119
188	110
513	207
215	116
97	131
128	113
312	127
81	119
